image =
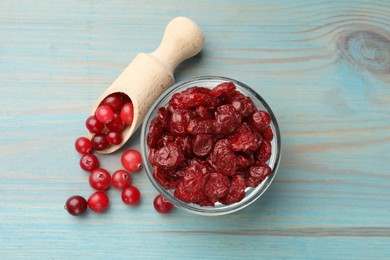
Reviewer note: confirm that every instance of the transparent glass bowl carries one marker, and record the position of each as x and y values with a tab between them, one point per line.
252	194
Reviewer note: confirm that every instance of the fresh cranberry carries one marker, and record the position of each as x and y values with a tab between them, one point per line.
121	179
161	205
114	101
100	179
99	142
93	125
83	145
89	162
131	195
116	124
76	205
98	201
104	114
125	98
114	138
127	113
131	160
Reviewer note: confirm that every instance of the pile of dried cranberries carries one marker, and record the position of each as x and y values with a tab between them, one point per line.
209	145
112	116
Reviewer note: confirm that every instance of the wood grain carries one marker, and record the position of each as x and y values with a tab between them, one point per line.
323	67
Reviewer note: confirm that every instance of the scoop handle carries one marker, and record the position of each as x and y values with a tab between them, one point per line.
182	39
150	74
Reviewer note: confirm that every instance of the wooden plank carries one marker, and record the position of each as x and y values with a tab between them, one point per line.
323	66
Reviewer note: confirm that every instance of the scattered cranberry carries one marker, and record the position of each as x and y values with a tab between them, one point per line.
114	101
99	142
98	201
89	162
83	145
93	125
127	113
104	114
131	160
76	205
100	179
161	205
131	195
121	179
114	137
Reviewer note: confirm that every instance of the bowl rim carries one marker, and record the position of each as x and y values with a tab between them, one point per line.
228	209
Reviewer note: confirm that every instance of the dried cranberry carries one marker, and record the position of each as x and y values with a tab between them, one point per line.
187	197
260	120
155	132
257	174
223	158
243	141
207	202
194	179
227	119
245	160
268	134
199	126
203	113
152	155
225	88
217	186
179	121
186	144
163	116
168	178
197	90
264	152
236	192
203	145
244	106
169	156
190	100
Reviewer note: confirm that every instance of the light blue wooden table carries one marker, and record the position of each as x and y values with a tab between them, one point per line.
323	66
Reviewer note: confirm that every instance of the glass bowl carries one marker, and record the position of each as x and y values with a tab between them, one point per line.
251	194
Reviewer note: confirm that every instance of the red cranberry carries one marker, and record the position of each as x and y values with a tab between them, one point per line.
114	101
127	113
76	205
99	142
131	160
121	179
93	125
116	124
89	162
104	114
83	145
100	179
131	195
114	138
98	201
161	205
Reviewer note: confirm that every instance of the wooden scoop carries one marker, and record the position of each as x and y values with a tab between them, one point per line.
150	74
